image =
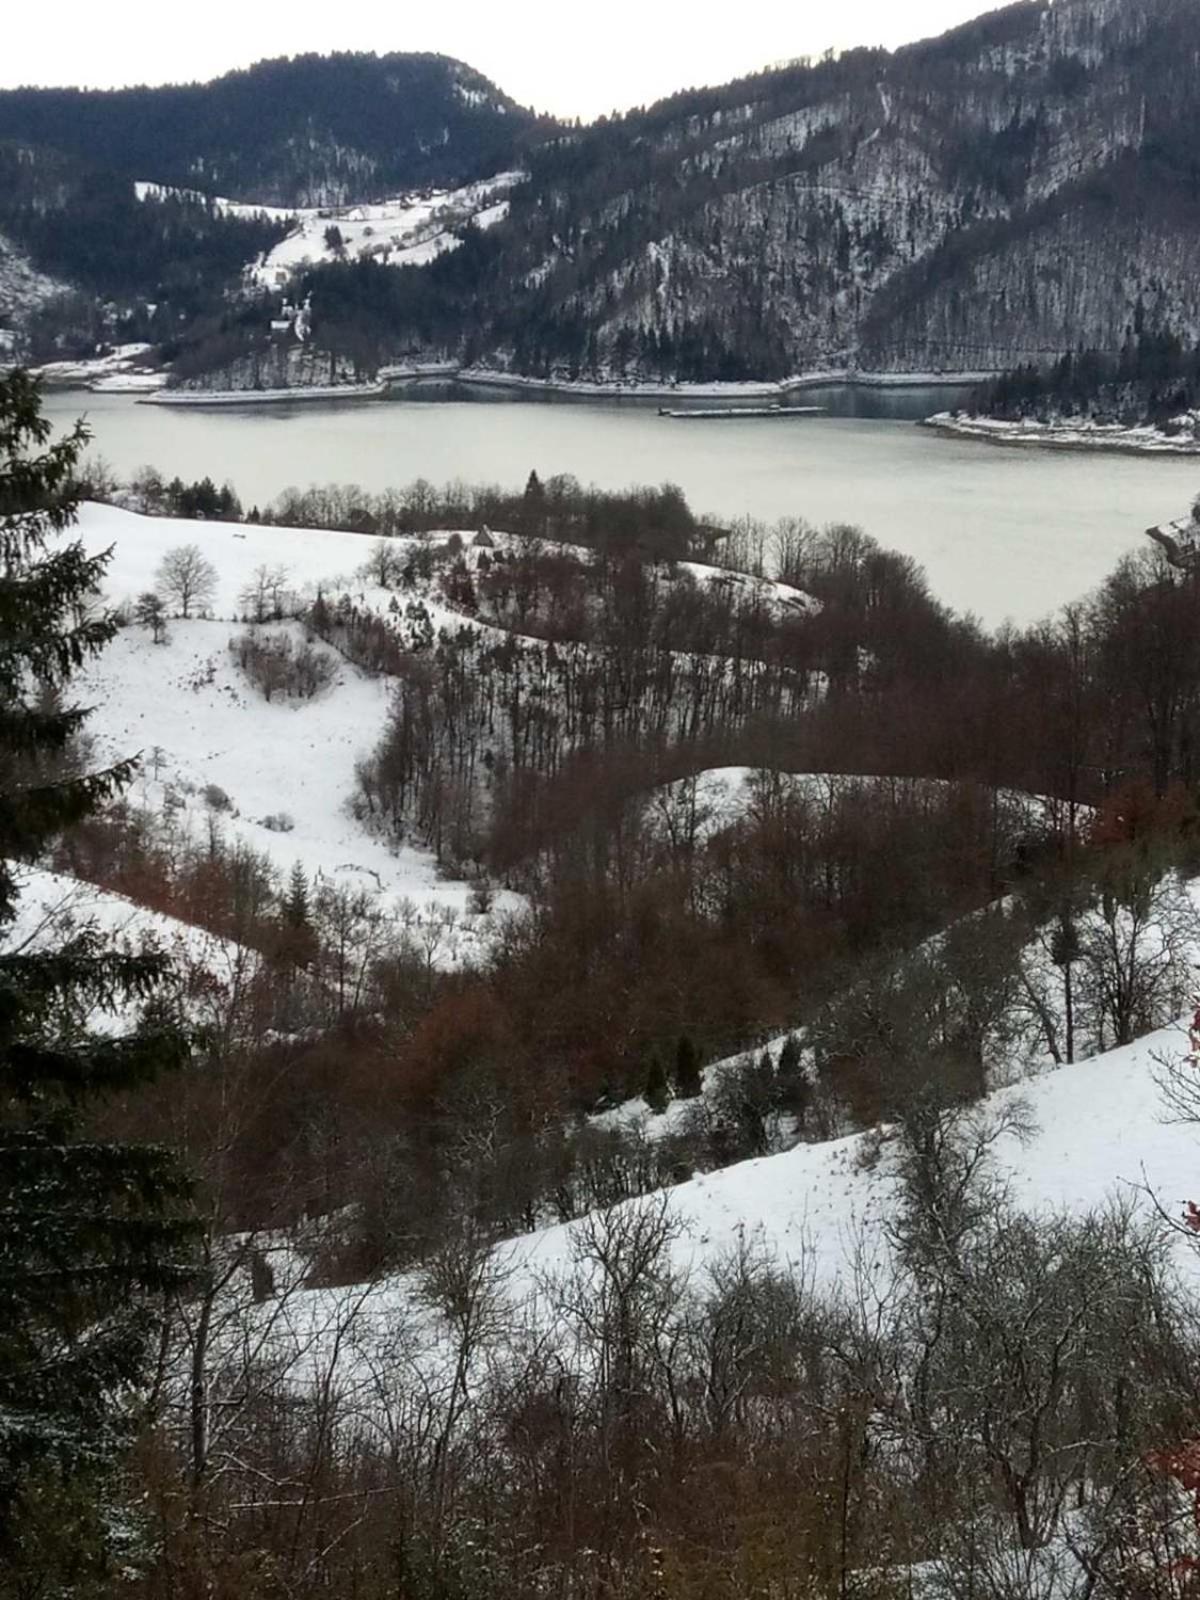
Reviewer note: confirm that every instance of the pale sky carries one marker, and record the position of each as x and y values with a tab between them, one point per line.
567	59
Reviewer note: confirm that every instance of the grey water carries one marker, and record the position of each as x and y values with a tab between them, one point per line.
1004	533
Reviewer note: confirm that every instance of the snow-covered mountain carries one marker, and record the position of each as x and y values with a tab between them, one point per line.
1013	188
1020	186
1009	191
108	201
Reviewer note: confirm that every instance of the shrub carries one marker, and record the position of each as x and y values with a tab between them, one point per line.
280	669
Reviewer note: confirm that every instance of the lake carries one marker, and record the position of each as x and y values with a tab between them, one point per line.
1001	532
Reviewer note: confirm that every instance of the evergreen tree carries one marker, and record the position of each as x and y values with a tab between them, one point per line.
793	1085
534	505
92	1234
657	1092
151	613
296	908
688	1083
297	936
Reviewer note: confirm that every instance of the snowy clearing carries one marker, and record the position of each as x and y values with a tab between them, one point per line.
226	208
407	231
720	796
123	369
286	767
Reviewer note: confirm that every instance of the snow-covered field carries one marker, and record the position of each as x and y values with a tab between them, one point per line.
408	231
188	708
122	370
227	208
1099	1133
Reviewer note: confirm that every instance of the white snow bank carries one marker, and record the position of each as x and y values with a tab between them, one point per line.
1075	433
259	397
122	369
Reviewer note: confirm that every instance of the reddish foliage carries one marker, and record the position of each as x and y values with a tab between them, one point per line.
1134	812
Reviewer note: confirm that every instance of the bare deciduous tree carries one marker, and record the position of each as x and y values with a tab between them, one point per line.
187	579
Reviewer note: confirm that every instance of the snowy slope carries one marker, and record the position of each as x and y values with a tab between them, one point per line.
313	558
720	796
52	904
822	1208
410	230
123	369
187	707
227	208
22	288
52	907
1101	1132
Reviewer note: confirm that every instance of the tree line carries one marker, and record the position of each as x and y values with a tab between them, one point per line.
1154	378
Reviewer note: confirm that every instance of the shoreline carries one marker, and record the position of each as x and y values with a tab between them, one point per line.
394	379
264	397
1082	435
121	371
750	391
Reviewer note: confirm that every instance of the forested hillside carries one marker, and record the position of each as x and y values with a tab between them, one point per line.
607	984
112	265
1023	185
309	130
1016	187
108	230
